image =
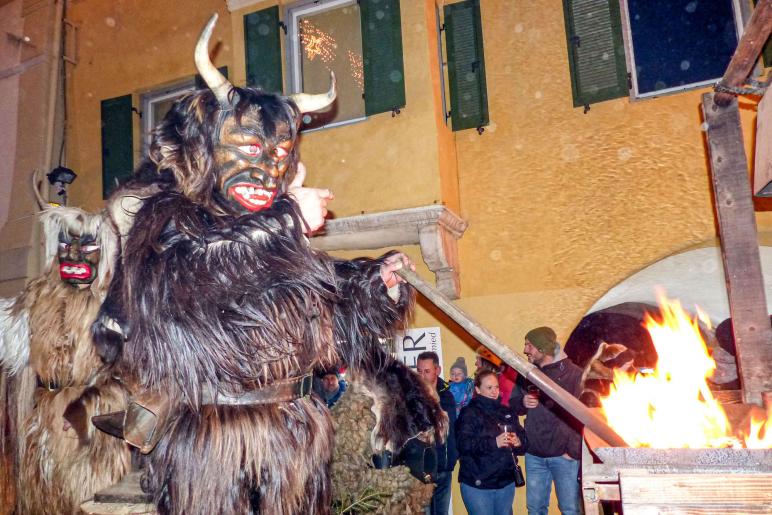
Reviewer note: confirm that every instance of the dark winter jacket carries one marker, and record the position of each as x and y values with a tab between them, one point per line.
483	464
446	452
551	430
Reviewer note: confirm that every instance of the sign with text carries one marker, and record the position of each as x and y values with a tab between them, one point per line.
418	340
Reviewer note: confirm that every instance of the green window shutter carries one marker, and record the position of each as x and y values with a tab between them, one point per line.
262	44
382	56
596	53
200	84
466	65
117	142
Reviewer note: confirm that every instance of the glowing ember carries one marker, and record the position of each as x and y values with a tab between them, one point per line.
673	406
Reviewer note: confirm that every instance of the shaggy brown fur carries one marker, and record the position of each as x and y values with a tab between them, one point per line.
209	299
61	465
60	468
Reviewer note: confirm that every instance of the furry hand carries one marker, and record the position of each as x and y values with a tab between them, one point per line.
389	267
312	201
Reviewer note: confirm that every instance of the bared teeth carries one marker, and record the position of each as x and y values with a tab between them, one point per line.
253	195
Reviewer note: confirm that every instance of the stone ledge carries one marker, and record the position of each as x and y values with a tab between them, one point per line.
435	228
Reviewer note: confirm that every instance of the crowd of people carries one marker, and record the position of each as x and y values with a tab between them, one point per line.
487	437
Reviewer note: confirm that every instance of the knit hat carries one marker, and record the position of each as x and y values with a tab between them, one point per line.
459	364
484	353
544	339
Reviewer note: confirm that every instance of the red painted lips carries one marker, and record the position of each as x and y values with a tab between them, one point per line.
74	271
251	197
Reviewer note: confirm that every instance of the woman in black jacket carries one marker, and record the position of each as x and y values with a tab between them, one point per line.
488	452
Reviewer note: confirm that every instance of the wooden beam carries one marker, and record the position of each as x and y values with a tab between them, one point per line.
748	49
594	421
762	171
646	492
739	246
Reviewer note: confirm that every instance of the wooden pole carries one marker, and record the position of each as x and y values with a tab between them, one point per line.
748	49
739	247
528	370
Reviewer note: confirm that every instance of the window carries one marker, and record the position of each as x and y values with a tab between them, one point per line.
675	45
665	45
156	103
325	37
361	41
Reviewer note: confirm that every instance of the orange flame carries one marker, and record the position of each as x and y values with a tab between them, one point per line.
673	406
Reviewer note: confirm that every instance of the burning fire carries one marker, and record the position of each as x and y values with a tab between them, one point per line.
673	406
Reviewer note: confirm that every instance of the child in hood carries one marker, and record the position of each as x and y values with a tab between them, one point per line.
461	386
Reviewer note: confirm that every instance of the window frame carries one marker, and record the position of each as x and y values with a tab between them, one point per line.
159	94
740	16
294	72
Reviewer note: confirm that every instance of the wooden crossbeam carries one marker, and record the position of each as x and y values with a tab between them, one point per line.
739	247
756	33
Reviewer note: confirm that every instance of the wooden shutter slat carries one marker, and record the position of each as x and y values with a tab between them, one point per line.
262	45
117	142
384	73
595	49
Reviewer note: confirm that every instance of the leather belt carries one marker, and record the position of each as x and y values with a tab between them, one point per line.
283	390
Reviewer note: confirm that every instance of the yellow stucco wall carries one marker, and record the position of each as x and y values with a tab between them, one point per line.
562	205
128	48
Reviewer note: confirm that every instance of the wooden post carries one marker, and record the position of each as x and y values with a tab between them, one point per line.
739	247
531	372
748	49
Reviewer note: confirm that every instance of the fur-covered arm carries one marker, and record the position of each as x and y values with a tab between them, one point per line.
367	315
14	335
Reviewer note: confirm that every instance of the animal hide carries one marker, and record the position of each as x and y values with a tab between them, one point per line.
14	338
48	327
63	463
231	304
356	485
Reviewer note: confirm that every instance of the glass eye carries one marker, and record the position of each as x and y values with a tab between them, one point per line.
280	153
64	246
89	248
251	150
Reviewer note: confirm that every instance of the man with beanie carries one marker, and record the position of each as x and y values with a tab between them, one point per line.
428	367
554	436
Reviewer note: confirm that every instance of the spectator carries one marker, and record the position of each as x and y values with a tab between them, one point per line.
461	386
428	367
554	436
329	386
489	436
486	360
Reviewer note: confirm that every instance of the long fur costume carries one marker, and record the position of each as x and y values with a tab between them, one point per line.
61	464
236	303
207	299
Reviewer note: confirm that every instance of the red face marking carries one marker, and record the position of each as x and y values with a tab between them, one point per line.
80	270
251	196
